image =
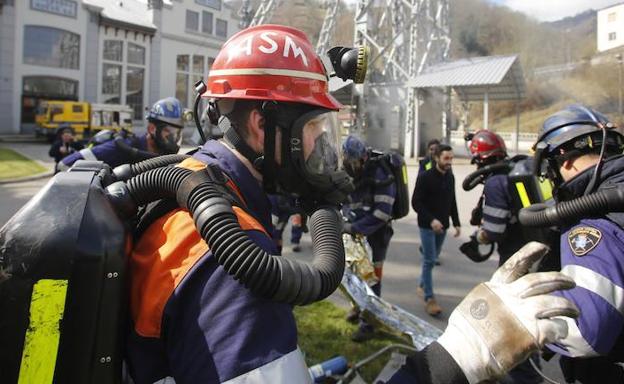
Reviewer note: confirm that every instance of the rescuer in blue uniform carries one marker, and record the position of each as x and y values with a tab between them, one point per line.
164	135
580	152
499	222
368	211
193	321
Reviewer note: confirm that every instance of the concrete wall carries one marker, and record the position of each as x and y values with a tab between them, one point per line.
91	64
8	119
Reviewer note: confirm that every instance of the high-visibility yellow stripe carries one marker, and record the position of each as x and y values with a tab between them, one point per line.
404	169
524	196
428	166
47	305
546	189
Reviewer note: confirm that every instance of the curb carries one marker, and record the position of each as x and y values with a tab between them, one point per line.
28	178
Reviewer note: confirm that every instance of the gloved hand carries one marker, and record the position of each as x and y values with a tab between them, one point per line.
501	322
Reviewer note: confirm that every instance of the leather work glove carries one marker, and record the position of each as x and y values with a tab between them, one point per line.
501	322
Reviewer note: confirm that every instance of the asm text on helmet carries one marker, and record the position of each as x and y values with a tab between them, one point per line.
269	47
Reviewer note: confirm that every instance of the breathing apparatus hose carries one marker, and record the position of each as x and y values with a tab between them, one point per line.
478	176
126	171
273	277
593	205
134	153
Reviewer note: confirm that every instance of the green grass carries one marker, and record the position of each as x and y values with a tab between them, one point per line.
13	165
324	333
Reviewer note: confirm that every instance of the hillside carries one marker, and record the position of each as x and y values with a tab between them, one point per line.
480	28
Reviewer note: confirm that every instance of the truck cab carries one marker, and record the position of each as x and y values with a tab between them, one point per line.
86	119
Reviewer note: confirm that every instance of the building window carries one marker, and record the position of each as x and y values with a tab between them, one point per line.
216	4
113	50
190	69
221	30
51	47
192	21
136	54
111	83
36	89
612	36
123	76
611	17
206	22
134	90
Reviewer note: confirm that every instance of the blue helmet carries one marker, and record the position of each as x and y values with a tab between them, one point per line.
354	148
167	111
570	127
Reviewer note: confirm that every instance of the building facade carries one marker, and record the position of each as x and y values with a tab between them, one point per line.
610	28
131	52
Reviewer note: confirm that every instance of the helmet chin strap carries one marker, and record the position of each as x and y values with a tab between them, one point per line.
233	139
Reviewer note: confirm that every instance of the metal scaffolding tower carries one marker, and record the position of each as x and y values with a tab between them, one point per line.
327	30
261	16
405	37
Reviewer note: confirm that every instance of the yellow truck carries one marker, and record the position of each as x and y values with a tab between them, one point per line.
86	119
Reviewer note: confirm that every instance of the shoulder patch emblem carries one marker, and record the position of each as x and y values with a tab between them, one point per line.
583	239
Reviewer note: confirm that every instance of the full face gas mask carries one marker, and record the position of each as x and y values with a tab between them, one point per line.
167	138
308	160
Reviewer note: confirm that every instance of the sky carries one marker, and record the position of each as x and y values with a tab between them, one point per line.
550	10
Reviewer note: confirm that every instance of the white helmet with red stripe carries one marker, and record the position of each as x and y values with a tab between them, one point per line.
270	62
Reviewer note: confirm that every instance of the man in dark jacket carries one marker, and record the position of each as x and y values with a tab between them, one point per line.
434	201
64	145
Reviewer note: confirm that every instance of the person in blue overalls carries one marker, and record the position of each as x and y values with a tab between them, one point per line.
580	152
369	212
164	135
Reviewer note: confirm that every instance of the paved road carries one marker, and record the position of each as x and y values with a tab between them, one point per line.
452	280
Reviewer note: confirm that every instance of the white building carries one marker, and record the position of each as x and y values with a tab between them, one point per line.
610	30
130	52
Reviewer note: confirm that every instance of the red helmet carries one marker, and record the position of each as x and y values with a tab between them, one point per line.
486	144
270	62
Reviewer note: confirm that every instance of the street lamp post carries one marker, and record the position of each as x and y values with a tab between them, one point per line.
619	59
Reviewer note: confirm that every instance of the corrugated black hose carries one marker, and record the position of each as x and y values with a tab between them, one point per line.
277	278
593	205
126	171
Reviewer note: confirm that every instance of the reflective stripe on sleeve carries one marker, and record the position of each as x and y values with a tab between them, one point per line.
290	368
381	215
598	284
354	205
496	212
495	228
384	199
574	343
41	342
87	154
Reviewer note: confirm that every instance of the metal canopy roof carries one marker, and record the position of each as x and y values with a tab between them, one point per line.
499	76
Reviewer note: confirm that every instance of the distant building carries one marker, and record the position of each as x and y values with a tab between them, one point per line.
130	52
610	32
